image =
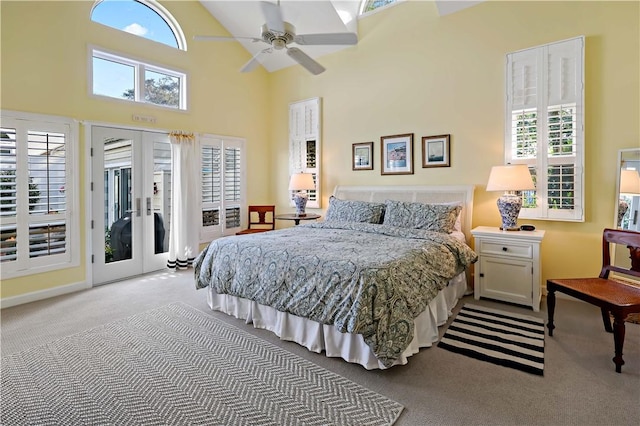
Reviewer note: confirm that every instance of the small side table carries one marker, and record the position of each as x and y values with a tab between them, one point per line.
296	219
509	266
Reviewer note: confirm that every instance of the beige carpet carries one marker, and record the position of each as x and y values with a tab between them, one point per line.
175	365
579	387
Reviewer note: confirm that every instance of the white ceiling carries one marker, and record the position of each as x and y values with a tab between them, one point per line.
244	18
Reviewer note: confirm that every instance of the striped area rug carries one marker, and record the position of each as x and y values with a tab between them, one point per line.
503	338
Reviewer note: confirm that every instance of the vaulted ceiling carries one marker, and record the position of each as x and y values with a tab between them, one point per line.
245	18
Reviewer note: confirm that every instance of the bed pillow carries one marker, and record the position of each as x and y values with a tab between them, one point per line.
354	211
430	217
458	224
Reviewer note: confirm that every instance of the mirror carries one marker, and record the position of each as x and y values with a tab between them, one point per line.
628	190
628	194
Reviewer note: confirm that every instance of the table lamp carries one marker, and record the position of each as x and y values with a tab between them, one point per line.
629	185
301	182
510	178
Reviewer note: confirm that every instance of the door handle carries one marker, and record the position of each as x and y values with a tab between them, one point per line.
138	207
148	206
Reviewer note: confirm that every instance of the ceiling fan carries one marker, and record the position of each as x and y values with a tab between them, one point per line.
278	34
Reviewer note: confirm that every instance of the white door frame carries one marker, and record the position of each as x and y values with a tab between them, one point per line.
154	262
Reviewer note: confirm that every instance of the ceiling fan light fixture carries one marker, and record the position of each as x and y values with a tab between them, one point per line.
269	35
278	34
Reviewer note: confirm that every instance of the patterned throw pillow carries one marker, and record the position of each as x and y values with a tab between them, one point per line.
431	217
354	211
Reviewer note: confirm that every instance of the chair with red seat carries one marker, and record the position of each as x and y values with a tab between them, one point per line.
612	295
261	219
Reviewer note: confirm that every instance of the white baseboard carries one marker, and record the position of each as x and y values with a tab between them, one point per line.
7	302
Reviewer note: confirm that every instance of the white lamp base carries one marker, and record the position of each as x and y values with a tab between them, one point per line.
300	200
509	206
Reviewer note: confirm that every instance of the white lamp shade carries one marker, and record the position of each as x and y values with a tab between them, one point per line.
301	182
629	182
510	177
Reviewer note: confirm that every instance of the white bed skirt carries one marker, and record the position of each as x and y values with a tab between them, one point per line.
351	347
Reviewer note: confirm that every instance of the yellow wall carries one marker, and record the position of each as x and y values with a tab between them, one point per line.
411	72
44	70
415	72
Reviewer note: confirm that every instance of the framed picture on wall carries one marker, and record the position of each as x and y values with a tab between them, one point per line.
362	156
435	151
397	154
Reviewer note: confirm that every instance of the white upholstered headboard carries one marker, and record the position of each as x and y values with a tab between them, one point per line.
421	194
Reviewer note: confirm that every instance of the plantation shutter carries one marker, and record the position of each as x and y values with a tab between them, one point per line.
304	145
545	127
211	180
233	193
222	186
35	196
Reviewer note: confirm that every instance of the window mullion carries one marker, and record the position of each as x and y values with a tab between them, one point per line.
140	86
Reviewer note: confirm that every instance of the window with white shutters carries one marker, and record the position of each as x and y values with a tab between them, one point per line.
222	186
545	127
304	145
37	226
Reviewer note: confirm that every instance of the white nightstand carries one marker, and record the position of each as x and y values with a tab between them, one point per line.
508	266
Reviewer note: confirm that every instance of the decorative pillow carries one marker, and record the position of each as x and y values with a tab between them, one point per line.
431	217
354	211
458	225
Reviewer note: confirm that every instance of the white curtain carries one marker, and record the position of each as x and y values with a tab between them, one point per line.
183	235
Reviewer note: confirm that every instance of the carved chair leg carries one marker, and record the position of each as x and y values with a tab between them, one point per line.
618	340
606	320
551	307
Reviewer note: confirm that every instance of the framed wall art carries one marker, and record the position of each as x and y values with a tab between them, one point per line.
435	151
397	154
362	158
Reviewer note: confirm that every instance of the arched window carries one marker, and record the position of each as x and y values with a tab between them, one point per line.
124	77
144	18
369	5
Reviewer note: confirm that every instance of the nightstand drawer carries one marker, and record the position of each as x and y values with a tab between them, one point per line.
506	249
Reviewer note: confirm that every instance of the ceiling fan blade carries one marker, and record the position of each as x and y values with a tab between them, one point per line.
273	16
328	38
253	62
223	38
305	60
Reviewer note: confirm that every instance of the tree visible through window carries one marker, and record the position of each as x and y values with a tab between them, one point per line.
115	76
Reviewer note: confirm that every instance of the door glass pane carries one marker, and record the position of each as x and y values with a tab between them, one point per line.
118	199
161	195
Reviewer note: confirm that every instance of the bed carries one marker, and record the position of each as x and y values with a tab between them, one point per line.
370	284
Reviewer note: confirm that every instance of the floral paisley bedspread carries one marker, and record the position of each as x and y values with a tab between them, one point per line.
363	278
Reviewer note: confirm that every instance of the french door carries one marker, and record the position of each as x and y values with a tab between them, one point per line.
131	199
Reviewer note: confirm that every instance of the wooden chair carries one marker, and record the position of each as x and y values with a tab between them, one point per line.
261	219
614	297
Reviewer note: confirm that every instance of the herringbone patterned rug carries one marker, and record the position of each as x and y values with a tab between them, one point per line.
175	366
